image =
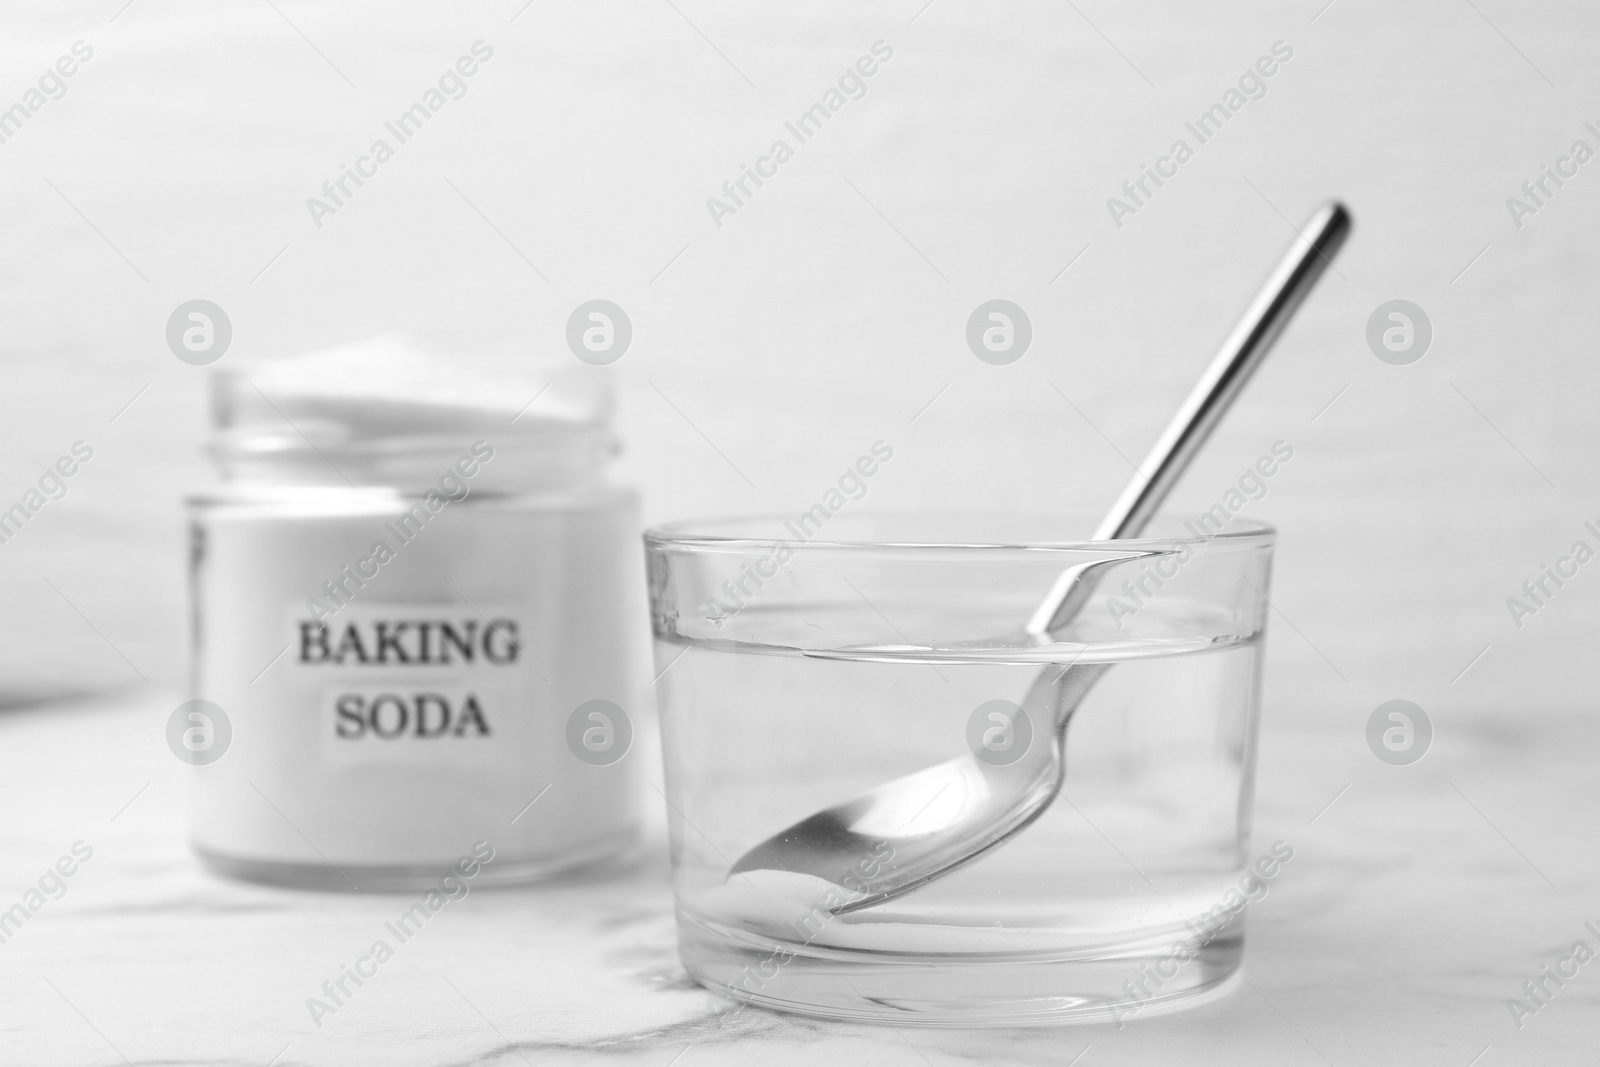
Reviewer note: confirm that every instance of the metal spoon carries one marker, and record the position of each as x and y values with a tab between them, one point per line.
914	829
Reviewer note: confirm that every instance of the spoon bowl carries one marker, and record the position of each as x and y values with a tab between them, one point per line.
921	826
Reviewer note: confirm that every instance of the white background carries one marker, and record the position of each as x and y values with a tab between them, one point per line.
828	311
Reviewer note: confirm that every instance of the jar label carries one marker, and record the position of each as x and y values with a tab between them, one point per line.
416	683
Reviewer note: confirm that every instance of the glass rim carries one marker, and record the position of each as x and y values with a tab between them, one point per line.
722	534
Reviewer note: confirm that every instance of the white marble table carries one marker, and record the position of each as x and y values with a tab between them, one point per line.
1417	904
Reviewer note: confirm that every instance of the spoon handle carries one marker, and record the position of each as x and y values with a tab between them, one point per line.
1240	354
1234	363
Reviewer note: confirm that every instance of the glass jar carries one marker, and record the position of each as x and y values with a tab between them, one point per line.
885	658
414	608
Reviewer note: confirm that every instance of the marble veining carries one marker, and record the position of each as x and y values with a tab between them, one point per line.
1397	936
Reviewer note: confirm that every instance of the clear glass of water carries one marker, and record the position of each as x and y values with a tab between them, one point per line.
806	661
